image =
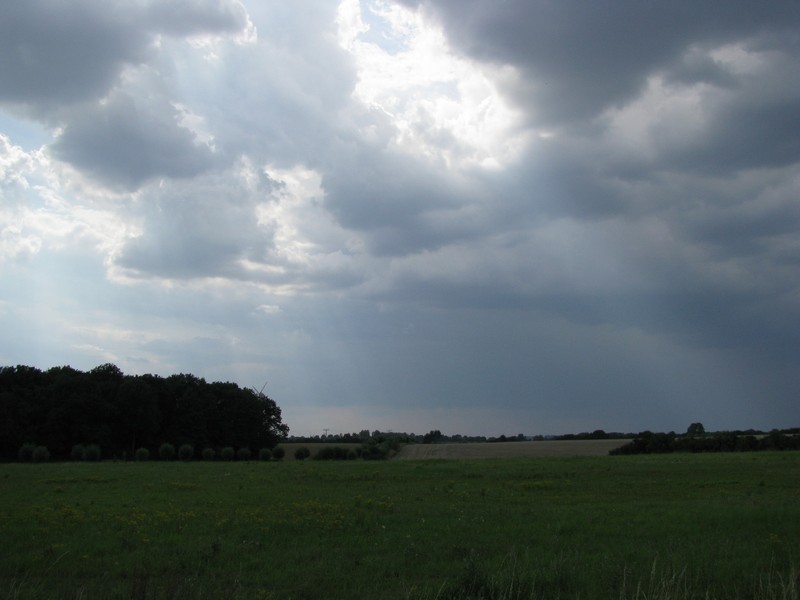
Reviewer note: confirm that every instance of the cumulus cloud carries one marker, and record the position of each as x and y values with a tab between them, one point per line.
60	53
580	60
95	71
124	143
200	229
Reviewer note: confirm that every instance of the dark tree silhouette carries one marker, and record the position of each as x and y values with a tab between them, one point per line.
63	407
695	429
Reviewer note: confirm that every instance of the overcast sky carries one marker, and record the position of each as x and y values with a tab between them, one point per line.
476	216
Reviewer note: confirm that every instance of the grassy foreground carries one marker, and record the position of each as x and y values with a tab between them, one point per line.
677	526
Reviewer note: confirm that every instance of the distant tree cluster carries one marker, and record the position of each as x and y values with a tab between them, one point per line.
375	445
697	440
506	438
432	437
597	434
334	438
75	414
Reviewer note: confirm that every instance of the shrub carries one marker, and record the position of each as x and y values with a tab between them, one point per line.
244	454
166	451
278	453
335	453
331	453
186	452
25	453
302	453
40	454
325	453
379	449
92	453
264	454
208	454
142	454
227	453
78	452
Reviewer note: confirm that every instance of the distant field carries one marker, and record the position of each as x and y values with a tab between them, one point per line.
509	449
667	527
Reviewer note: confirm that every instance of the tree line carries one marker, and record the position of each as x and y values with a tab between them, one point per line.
434	436
62	407
648	442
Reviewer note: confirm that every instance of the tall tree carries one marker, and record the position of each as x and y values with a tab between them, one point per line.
136	418
695	429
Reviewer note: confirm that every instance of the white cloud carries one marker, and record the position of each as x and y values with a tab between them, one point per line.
310	247
443	107
15	245
665	117
15	163
268	309
41	210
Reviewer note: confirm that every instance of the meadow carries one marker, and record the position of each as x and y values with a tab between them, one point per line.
645	527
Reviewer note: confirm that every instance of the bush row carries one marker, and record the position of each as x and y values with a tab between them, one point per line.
91	452
662	443
33	453
373	449
335	453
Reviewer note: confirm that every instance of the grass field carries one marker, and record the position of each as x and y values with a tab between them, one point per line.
673	526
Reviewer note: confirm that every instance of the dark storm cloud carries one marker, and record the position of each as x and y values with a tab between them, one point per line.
62	63
55	53
188	17
124	143
710	89
388	200
201	228
744	136
696	66
59	52
580	58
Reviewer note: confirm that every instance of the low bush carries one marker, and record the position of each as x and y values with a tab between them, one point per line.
78	452
40	454
326	453
278	453
92	453
142	454
244	454
186	452
302	453
265	454
208	454
25	453
166	451
227	453
379	448
334	453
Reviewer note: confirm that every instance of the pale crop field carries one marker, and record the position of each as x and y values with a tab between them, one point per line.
540	449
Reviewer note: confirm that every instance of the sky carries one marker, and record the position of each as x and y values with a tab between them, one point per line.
483	217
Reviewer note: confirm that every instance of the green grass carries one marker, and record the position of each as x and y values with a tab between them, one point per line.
676	526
